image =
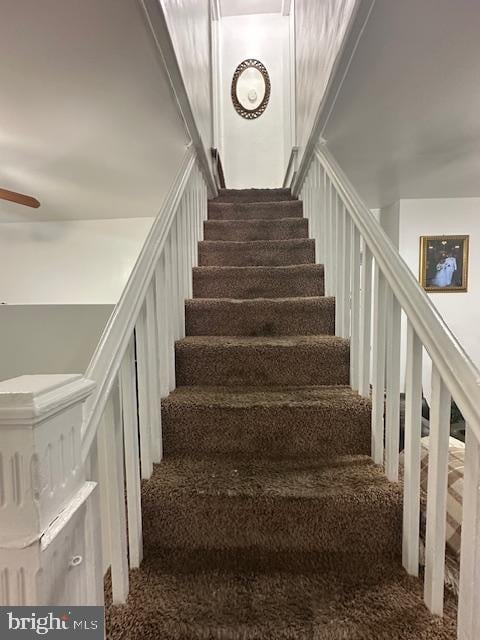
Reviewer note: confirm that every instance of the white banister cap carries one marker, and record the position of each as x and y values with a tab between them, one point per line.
31	398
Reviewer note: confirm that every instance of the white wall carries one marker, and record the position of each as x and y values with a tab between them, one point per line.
253	150
88	121
49	338
320	27
189	26
68	262
447	216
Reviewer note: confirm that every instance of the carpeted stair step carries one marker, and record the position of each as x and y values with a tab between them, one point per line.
270	253
259	282
253	195
243	230
345	505
279	422
260	317
262	361
254	210
382	604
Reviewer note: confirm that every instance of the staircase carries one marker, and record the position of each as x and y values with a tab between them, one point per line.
267	518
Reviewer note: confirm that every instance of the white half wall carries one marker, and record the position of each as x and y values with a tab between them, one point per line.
69	262
253	150
49	338
446	216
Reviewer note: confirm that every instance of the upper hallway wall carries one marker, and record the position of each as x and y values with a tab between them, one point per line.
320	27
253	150
88	121
189	26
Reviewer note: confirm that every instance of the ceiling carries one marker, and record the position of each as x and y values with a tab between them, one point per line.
245	7
406	123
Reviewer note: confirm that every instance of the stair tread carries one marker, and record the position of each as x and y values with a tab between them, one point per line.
261	341
253	195
382	604
279	270
266	210
251	229
294	300
290	242
260	316
344	478
249	397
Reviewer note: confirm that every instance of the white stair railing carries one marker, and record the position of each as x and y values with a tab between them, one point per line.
45	437
352	244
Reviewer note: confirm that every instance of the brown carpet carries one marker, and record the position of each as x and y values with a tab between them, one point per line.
273	253
260	317
255	211
267	519
305	280
279	422
241	230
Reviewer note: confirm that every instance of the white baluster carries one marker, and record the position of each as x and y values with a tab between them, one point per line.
328	238
181	268
355	316
392	417
340	268
324	225
128	388
321	214
468	609
333	231
413	434
437	494
152	374
347	237
314	230
110	451
365	322
143	391
170	310
378	365
186	253
175	278
162	325
190	199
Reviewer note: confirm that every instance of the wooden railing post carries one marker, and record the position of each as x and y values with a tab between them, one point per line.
44	478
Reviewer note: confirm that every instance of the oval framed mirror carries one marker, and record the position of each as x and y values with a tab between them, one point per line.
250	89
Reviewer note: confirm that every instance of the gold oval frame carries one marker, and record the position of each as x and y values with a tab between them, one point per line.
250	114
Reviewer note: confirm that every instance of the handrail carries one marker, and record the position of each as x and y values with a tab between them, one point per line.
19	198
218	168
460	374
289	175
106	360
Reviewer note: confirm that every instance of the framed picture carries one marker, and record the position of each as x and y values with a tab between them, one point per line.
444	263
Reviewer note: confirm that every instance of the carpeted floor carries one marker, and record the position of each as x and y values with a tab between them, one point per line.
267	519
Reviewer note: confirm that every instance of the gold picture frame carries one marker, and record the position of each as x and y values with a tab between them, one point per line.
444	263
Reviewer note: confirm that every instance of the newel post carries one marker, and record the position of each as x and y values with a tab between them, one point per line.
47	547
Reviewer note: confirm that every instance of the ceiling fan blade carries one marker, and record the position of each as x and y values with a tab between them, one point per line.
19	198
